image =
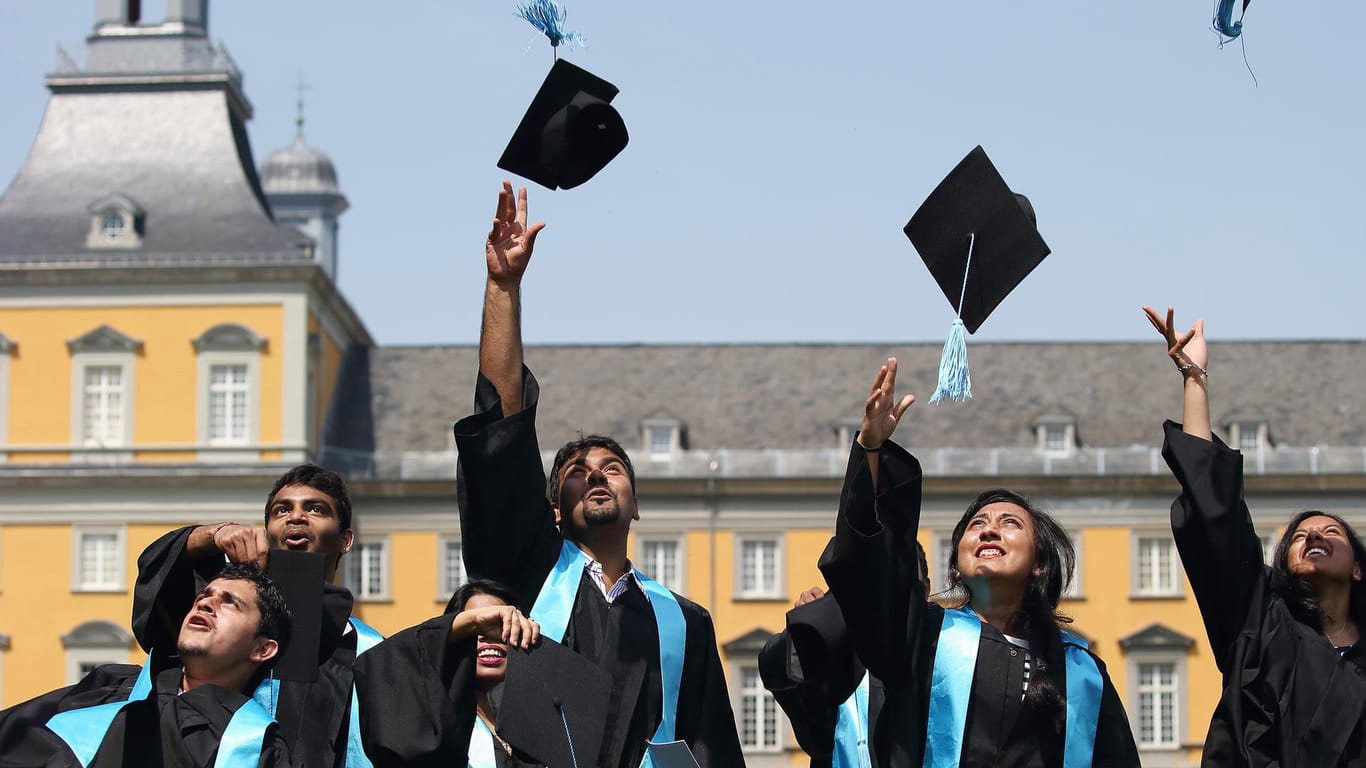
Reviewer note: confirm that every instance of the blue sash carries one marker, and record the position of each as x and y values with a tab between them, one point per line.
367	637
84	729
482	754
241	742
555	603
955	662
851	730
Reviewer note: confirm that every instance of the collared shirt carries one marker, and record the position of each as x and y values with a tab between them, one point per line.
619	587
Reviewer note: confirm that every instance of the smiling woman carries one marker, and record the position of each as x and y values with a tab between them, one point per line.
993	680
1288	633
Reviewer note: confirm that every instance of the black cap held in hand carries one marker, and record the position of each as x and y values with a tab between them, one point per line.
550	690
570	131
973	206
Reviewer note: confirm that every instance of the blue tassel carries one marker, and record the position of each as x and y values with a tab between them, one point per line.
1224	23
548	16
955	383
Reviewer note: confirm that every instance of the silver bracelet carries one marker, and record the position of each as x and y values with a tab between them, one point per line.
1184	369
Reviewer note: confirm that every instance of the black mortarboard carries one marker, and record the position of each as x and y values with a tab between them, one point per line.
550	690
299	575
570	131
973	204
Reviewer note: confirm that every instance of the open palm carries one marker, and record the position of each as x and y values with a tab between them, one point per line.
510	242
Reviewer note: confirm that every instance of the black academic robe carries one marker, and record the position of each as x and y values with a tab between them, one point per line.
1289	698
417	699
314	717
872	571
170	729
509	535
811	669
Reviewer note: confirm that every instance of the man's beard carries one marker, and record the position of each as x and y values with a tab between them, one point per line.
609	512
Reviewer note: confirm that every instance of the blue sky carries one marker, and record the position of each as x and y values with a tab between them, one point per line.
777	150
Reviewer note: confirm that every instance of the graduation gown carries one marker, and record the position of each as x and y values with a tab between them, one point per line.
811	669
872	571
1289	698
314	717
417	699
169	729
509	535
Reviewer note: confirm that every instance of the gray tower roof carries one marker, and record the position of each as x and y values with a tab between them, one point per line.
157	120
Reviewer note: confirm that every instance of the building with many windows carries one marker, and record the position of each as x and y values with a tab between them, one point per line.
172	338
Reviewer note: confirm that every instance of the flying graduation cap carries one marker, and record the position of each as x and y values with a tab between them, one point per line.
571	130
979	240
1223	20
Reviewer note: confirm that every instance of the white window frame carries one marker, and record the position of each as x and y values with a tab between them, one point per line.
1067	431
95	657
1136	553
120	581
1269	538
765	707
352	569
847	429
938	560
215	451
679	542
80	363
1134	661
444	589
1238	430
779	589
673	428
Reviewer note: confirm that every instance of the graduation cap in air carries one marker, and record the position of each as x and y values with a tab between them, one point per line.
979	240
571	130
554	705
299	575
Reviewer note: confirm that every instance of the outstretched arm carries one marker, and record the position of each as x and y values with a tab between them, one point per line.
881	413
507	252
1192	358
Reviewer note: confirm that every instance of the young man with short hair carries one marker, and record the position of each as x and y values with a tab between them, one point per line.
566	556
308	509
196	713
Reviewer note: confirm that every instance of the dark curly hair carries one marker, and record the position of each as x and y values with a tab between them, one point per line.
480	587
276	620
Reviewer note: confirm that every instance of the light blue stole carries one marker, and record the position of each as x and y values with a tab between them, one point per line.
268	693
955	662
482	752
555	604
84	729
851	730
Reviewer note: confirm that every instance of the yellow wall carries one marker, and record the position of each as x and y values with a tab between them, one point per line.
165	371
38	605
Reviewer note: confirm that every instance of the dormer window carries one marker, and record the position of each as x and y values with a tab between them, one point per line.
1248	435
1056	433
662	436
115	222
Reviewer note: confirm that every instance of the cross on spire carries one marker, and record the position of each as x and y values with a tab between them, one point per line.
299	89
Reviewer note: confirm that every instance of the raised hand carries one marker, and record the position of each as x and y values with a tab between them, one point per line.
810	595
502	623
882	412
1188	351
510	241
242	543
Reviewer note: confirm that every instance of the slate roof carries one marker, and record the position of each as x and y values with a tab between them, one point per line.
792	396
170	138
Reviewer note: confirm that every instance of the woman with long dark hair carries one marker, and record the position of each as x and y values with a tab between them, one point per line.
1287	637
994	680
426	690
